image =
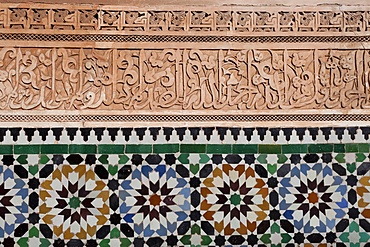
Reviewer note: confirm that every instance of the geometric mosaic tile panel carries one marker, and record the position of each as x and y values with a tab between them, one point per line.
185	187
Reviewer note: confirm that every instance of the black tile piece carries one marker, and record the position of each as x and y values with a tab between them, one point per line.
115	219
217	159
21	230
326	132
101	172
365	132
287	226
21	171
342	225
353	213
252	239
170	159
313	133
236	240
113	184
194	182
136	159
287	133
154	132
260	170
29	133
71	132
233	158
263	227
220	240
183	228
112	132
139	242
352	196
57	133
90	159
154	242
168	132
140	132
85	132
124	172
327	158
46	170
33	218
235	133
315	238
2	133
339	132
14	132
205	171
300	132
295	158
248	133
331	237
182	171
43	132
46	231
153	159
195	215
249	159
275	133
207	228
352	131
114	202
195	199
275	214
58	243
75	243
272	182
74	159
221	132
283	170
261	132
8	160
365	225
172	240
99	132
127	230
180	132
298	238
363	168
57	159
91	243
311	158
194	132
208	132
340	170
33	200
352	180
103	232
8	242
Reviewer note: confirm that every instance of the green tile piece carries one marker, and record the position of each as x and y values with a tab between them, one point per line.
320	148
125	242
112	169
166	148
351	147
6	149
360	157
339	148
262	158
272	168
282	159
294	148
193	148
363	147
184	158
54	149
340	158
110	149
44	159
139	148
82	149
219	148
26	149
203	158
103	159
22	159
245	148
123	159
33	169
269	149
23	242
44	242
194	168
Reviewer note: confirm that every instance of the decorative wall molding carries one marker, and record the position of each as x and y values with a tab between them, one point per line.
173	62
